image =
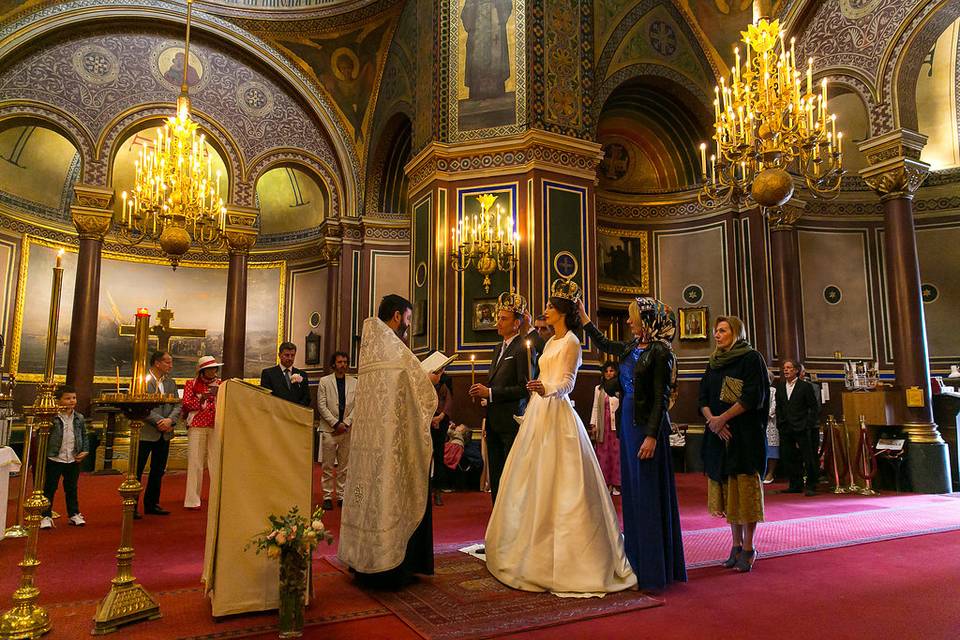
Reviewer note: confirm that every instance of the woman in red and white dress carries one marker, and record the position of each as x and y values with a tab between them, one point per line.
200	405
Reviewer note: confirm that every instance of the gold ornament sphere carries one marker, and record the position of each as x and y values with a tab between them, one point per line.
772	188
175	241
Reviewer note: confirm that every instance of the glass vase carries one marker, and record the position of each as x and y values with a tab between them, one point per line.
293	587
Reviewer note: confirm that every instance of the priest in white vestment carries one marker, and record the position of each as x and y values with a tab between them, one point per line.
386	528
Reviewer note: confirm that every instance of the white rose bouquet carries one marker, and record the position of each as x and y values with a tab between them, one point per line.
296	378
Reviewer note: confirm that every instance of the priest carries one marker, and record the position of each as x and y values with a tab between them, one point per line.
386	527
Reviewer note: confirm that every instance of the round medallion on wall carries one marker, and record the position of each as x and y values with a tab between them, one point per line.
255	98
832	294
96	64
314	320
692	294
167	66
663	39
929	293
616	161
565	264
420	275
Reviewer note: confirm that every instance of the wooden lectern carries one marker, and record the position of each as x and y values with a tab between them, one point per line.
260	464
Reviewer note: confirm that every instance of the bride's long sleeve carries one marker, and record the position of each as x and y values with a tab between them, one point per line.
569	363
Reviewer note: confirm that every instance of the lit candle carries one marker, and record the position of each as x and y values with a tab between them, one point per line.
473	369
703	159
840	142
118	378
809	76
529	361
59	258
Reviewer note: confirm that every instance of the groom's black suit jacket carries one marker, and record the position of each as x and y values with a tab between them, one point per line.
507	380
272	378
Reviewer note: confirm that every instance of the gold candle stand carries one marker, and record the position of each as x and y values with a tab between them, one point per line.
17	530
128	601
27	619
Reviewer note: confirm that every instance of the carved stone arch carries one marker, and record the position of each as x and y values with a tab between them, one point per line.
50	117
150	116
50	17
630	20
301	160
383	141
635	71
900	67
852	83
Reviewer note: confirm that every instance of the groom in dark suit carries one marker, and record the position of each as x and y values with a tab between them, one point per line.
506	390
285	380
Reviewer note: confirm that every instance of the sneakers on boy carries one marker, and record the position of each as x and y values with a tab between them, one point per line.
77	520
46	522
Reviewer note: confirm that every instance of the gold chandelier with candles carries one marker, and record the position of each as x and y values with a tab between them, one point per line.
175	200
769	124
488	242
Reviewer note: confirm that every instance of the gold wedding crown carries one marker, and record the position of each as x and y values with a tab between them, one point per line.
510	301
564	288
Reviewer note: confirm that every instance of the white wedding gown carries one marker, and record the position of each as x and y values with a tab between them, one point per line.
554	527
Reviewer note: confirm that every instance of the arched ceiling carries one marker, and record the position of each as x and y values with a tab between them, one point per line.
290	200
37	170
938	101
650	135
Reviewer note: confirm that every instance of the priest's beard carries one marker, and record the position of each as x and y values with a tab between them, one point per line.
401	330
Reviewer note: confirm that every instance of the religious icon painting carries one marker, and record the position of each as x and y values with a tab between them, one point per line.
693	323
566	265
311	350
168	65
484	314
622	261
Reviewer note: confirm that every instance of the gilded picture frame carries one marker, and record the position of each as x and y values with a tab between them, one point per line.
484	314
623	261
694	323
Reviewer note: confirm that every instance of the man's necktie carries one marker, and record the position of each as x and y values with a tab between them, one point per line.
286	376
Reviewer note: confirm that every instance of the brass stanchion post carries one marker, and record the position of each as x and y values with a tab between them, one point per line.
27	619
127	601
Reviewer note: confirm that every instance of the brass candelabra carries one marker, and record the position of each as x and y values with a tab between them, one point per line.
128	601
27	619
488	242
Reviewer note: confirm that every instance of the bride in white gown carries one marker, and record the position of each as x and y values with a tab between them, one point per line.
554	527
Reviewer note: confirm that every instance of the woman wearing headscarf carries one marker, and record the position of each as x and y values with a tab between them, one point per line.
651	516
734	399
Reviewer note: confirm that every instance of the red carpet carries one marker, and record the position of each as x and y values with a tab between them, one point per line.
844	592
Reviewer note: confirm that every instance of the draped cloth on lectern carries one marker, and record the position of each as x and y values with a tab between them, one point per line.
390	452
261	454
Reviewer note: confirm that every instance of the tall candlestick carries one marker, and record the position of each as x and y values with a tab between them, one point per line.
473	369
529	361
141	336
118	378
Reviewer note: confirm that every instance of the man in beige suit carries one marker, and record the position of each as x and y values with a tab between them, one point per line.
335	395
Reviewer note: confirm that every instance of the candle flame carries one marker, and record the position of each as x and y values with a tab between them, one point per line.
60	253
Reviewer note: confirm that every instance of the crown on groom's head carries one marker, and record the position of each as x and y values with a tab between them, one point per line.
566	289
510	301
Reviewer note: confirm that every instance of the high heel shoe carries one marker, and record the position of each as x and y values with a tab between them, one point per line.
730	562
437	500
746	560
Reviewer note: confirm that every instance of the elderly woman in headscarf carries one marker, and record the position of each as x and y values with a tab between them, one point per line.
651	516
734	400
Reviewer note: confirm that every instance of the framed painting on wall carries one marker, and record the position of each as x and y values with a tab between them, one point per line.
622	261
693	323
484	314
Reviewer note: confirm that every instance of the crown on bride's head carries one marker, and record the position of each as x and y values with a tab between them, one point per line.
510	301
565	288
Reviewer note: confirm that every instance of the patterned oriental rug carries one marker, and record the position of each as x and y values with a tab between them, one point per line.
463	601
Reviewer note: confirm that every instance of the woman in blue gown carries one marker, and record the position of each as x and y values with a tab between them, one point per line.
651	515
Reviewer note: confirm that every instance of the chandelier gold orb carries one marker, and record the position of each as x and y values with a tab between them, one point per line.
770	126
488	242
175	200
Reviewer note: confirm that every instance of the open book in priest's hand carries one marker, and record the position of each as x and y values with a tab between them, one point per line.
437	361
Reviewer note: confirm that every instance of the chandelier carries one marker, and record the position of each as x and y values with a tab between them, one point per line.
768	124
175	200
488	242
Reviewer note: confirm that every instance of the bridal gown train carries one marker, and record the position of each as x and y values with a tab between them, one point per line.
554	527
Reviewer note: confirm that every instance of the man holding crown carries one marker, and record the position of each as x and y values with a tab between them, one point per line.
505	392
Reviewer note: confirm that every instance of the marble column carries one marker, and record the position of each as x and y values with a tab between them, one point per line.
785	270
330	253
895	173
241	235
92	215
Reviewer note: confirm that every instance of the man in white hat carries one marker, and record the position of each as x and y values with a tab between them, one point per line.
200	404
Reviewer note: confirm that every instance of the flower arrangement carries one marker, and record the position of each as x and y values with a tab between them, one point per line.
292	532
296	378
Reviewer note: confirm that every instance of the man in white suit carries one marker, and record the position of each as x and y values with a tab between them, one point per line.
335	395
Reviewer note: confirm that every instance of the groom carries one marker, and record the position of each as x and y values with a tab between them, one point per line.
506	390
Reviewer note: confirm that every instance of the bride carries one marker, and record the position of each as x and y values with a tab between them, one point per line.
554	527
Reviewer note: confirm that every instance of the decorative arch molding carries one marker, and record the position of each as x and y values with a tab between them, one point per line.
631	19
900	66
384	138
122	128
26	28
850	81
301	160
642	70
49	116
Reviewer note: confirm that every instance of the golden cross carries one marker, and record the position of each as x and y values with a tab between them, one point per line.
163	332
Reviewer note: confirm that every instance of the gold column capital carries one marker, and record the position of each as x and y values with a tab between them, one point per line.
241	231
92	211
784	217
895	170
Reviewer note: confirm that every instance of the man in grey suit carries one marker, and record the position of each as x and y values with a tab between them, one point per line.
156	432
